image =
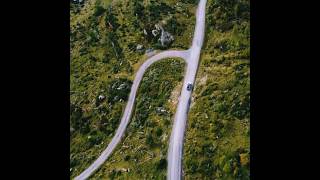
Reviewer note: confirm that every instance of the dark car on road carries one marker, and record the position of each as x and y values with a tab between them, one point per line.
189	87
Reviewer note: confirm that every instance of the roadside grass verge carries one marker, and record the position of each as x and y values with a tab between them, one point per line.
217	144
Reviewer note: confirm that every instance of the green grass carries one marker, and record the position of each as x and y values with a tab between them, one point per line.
101	57
221	105
144	148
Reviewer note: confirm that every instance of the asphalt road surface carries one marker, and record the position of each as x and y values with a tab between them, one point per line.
128	110
191	56
177	135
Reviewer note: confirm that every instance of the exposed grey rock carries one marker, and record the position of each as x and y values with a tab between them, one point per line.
155	32
116	98
160	110
158	27
166	38
145	32
124	170
139	47
101	97
151	54
122	86
149	50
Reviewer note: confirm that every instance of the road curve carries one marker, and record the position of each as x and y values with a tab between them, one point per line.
128	110
174	171
191	56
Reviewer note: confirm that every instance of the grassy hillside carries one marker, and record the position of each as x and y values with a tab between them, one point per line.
217	144
104	36
142	154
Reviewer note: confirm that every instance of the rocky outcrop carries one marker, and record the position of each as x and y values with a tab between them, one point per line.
166	38
155	32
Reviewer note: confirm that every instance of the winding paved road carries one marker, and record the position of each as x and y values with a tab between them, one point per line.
128	110
191	56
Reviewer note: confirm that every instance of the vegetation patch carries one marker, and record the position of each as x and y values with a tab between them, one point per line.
221	106
104	52
143	152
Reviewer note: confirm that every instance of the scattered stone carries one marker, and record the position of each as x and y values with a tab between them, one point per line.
122	86
139	47
206	115
149	50
145	32
116	98
155	32
150	53
124	170
160	110
101	97
158	27
78	1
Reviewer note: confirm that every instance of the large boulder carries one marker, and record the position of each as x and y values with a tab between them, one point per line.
166	38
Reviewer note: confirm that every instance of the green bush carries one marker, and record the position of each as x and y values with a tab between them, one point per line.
149	139
191	165
158	131
162	164
99	11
